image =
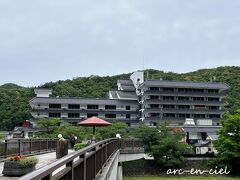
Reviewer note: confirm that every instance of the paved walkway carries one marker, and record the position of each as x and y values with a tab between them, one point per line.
43	160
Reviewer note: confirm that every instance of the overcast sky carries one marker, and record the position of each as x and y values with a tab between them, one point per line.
49	40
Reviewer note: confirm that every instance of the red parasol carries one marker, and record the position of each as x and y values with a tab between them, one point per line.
94	121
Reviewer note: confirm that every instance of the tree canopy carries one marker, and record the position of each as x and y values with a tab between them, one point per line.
228	143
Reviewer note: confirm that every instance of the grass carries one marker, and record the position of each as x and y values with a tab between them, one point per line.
182	177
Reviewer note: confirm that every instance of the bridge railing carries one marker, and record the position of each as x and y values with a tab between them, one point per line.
12	147
84	164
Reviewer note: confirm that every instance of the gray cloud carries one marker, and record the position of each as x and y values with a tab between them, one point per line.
46	40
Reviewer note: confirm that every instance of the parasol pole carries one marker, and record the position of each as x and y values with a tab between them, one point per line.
93	137
94	130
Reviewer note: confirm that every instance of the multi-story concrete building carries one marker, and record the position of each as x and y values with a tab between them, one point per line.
136	100
174	102
73	110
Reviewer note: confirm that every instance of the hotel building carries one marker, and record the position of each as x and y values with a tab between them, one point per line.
136	100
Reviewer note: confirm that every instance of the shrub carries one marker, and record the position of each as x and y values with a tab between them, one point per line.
79	146
24	161
28	161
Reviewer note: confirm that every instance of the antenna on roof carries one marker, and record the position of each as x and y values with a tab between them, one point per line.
214	78
143	64
211	79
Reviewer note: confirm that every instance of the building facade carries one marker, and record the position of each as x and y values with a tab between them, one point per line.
136	100
174	102
74	110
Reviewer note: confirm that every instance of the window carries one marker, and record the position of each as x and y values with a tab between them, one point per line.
184	107
214	116
213	99
154	114
169	115
54	106
166	106
168	97
154	97
168	89
184	115
154	88
128	116
128	107
213	90
73	106
154	105
183	98
92	106
73	115
199	116
198	98
91	115
214	107
110	107
54	115
110	115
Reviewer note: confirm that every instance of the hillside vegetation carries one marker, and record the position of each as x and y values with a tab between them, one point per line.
14	99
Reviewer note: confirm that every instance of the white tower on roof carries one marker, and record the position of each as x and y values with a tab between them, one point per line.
137	78
43	92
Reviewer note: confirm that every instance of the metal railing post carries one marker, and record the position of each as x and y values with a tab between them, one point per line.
40	145
19	146
30	148
48	177
6	148
70	164
95	162
132	143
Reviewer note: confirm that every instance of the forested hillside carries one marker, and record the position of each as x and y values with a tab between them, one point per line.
14	107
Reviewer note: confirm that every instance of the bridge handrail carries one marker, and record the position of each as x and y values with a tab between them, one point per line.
21	146
92	160
46	171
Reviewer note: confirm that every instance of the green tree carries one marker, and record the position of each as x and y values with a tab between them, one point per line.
149	135
163	144
111	131
47	126
67	130
169	151
52	127
228	143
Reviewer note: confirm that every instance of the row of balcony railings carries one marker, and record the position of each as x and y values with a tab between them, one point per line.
183	109
13	147
185	92
181	99
88	109
182	102
85	164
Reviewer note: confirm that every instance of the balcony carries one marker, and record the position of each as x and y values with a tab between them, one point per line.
192	111
186	102
132	120
100	111
176	119
204	94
